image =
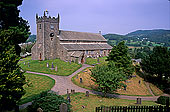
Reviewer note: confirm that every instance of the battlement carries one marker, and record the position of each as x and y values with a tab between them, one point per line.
46	18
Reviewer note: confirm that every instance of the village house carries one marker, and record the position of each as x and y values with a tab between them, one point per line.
66	45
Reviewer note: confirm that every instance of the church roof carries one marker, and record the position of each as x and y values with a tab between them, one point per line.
80	36
87	46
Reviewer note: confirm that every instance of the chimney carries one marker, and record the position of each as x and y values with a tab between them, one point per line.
100	32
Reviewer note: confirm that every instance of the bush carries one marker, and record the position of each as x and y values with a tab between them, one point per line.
48	102
162	100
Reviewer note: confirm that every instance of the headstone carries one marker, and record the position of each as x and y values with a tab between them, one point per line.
67	92
56	68
68	98
63	107
139	101
125	86
39	110
139	81
28	64
87	93
47	65
72	91
52	66
98	60
81	80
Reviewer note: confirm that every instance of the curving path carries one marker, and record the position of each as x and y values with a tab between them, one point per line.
62	83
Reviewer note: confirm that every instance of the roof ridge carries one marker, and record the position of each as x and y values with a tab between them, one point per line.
79	32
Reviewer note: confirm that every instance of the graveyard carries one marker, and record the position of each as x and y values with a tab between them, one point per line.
133	86
55	67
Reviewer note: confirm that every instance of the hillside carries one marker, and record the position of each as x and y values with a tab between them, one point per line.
159	35
139	37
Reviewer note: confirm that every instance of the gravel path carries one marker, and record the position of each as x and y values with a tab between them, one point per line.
62	83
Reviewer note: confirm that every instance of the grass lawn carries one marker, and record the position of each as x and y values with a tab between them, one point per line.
133	86
63	68
79	99
156	91
35	85
91	61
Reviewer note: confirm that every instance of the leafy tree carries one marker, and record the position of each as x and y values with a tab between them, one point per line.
9	17
108	77
120	56
158	62
48	102
11	76
13	30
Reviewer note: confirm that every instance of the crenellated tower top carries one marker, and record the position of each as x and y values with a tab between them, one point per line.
46	18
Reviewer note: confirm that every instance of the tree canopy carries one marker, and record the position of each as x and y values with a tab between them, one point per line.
120	56
13	31
158	62
108	77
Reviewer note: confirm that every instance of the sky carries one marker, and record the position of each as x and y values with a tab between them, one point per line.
108	16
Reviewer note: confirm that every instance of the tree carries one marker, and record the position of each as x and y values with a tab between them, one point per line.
11	76
9	17
48	102
157	63
13	30
120	56
108	77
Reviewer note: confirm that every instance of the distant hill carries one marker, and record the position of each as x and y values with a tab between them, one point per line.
31	38
159	35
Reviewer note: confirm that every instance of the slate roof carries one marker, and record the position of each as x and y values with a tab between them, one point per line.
87	46
72	35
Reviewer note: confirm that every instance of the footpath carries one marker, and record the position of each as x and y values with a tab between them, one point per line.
62	83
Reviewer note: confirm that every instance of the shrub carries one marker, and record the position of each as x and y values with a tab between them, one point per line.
162	100
48	102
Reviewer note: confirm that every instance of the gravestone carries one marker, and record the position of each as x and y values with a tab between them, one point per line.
72	91
81	80
39	110
125	86
56	68
87	93
139	81
68	98
138	101
63	107
52	66
28	64
47	65
98	60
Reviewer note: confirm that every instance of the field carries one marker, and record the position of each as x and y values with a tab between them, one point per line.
35	85
133	86
63	68
90	103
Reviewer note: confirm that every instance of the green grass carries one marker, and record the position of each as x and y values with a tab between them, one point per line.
93	101
91	61
63	68
35	85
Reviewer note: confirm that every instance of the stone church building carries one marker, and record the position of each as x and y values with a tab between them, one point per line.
74	46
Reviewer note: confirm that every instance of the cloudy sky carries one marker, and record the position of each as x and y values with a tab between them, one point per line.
109	16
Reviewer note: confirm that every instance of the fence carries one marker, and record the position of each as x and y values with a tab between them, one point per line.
133	109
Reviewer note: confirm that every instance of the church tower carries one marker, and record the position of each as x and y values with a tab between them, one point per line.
47	39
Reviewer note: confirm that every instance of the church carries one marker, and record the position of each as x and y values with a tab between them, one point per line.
73	46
